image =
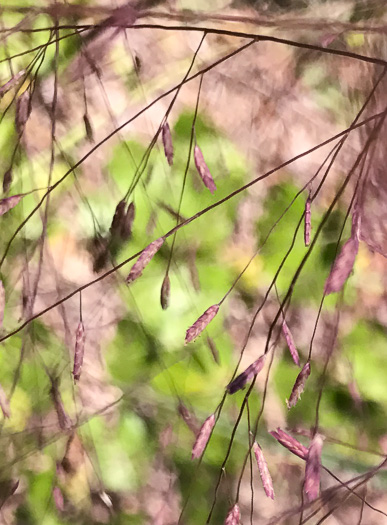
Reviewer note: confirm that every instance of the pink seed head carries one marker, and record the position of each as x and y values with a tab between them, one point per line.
203	437
290	342
246	376
146	256
289	442
299	386
263	471
203	169
312	468
167	143
342	266
234	515
201	323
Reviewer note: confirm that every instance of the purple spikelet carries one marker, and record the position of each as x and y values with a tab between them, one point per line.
167	143
9	202
201	323
263	471
342	266
246	376
234	515
146	256
290	342
290	443
312	468
308	222
299	386
203	436
79	351
203	170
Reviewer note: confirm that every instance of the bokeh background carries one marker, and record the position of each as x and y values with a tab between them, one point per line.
125	458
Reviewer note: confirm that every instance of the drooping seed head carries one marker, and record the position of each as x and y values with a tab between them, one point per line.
203	437
203	169
23	110
64	421
79	352
127	222
342	266
312	468
118	217
167	143
214	350
165	292
9	202
307	221
201	323
290	443
299	386
290	342
246	376
88	128
7	180
188	417
234	515
146	256
263	471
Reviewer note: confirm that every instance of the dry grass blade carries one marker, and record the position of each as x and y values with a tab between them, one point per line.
2	303
290	443
290	342
312	468
4	404
246	376
203	437
203	170
201	323
165	292
342	266
167	143
299	386
308	222
234	515
9	202
23	110
79	351
263	471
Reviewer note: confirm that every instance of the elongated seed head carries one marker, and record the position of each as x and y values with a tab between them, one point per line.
203	169
246	376
290	443
234	515
290	342
263	471
146	256
79	351
342	266
299	385
203	437
312	468
201	323
9	202
167	143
